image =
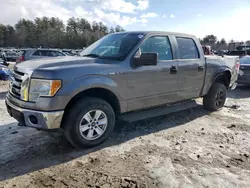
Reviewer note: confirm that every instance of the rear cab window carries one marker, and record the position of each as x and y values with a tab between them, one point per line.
187	48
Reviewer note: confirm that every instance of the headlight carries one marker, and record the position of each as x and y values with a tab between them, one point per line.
39	87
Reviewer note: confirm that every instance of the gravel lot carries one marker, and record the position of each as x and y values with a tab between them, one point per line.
192	148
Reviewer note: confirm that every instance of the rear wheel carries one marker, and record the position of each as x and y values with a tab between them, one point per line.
216	97
89	122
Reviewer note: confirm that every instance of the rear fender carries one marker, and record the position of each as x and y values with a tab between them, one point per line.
219	72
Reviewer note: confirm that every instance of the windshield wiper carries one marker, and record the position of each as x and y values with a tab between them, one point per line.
91	55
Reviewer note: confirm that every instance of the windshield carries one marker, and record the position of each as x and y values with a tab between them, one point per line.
113	46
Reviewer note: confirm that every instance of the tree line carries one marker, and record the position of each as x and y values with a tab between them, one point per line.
53	33
216	44
77	33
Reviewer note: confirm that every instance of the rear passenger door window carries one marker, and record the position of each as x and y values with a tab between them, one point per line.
46	53
37	53
55	53
187	48
159	45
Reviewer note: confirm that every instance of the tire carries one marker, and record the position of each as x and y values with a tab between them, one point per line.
81	113
216	97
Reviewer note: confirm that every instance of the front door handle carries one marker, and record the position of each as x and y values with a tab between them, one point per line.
173	70
200	68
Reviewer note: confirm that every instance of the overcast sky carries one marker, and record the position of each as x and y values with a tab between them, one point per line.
224	18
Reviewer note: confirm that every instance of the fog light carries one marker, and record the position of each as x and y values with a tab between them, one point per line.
33	119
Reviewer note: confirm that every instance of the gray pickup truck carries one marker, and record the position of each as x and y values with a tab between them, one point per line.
120	74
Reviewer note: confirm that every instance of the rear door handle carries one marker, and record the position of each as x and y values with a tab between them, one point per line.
173	70
200	68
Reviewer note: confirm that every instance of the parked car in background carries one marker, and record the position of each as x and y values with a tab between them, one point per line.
28	54
3	59
4	62
243	47
238	49
220	52
11	55
244	75
5	73
68	52
240	53
128	74
77	51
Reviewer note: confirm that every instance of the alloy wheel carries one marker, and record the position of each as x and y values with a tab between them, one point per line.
93	124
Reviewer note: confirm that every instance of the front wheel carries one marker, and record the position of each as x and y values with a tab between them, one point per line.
89	122
216	97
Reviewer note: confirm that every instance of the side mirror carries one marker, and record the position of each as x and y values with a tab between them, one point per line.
145	59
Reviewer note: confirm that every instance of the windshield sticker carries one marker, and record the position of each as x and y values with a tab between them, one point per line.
140	36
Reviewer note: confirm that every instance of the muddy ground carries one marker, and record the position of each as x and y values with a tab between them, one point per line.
192	148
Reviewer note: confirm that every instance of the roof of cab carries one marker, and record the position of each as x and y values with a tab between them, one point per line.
157	33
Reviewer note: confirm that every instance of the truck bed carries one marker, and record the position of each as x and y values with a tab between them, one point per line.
230	61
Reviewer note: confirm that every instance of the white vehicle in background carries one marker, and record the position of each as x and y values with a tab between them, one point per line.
29	54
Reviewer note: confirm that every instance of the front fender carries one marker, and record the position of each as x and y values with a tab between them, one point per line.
92	81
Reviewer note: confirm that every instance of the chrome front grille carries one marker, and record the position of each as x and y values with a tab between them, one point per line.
16	84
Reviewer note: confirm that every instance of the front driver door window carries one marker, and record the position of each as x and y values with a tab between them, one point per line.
160	45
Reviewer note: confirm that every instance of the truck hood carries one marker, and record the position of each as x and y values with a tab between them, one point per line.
56	62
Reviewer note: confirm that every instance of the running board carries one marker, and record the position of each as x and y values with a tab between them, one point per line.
154	112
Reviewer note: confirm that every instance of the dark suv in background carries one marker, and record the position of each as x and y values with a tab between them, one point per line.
28	54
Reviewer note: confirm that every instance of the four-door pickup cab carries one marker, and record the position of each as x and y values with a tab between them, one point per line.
120	73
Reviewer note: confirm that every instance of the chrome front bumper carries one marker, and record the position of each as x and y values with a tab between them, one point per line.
36	119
